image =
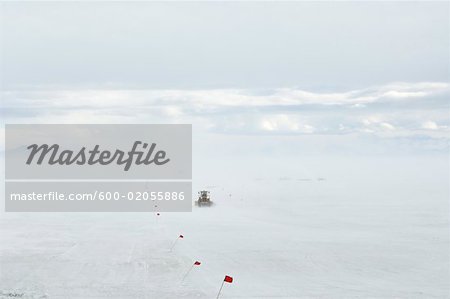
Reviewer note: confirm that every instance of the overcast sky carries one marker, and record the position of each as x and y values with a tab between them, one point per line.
343	76
342	45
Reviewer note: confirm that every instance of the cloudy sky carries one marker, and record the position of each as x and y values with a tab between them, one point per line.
315	78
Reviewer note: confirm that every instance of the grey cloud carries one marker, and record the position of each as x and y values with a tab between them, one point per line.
391	110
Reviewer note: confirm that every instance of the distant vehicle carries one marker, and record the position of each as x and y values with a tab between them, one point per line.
204	199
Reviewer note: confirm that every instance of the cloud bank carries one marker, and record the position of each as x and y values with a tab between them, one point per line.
416	111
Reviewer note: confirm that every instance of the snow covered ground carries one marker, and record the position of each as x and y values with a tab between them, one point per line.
342	230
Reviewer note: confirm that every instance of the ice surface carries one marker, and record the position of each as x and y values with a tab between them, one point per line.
367	229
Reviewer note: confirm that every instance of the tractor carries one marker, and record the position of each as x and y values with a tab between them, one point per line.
204	199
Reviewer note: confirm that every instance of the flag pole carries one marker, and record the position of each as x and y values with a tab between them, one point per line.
218	294
185	275
174	243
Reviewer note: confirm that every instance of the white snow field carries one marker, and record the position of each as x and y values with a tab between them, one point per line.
371	228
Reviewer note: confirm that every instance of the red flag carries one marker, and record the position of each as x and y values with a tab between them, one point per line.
197	263
181	236
228	279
